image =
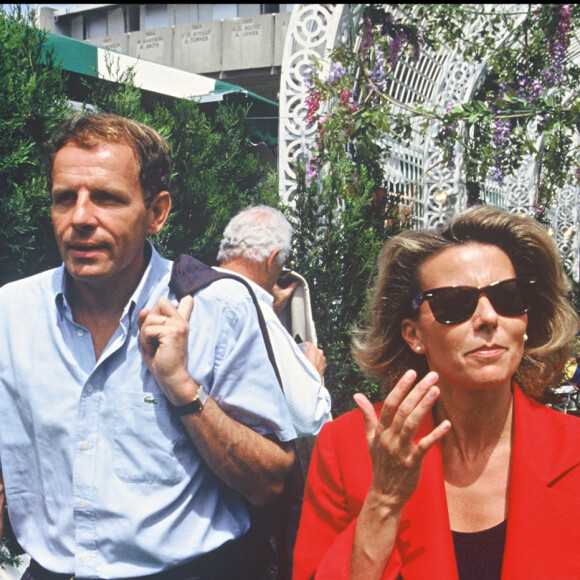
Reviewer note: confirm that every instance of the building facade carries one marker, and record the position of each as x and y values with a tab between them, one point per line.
241	44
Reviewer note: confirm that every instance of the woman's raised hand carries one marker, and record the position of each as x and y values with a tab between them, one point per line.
396	457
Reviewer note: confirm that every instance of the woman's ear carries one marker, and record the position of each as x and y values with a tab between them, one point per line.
412	335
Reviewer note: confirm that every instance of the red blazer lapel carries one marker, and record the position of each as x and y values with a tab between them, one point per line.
543	531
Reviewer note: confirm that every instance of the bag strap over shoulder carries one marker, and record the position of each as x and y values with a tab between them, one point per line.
188	275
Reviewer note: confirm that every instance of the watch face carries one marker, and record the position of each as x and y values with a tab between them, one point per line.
201	396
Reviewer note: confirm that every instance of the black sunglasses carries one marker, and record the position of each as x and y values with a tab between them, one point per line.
455	304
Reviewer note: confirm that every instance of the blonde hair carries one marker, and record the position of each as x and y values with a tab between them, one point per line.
379	348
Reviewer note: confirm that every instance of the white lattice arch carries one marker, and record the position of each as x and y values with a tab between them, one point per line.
431	190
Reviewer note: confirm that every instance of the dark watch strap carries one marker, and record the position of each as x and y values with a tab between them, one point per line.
194	406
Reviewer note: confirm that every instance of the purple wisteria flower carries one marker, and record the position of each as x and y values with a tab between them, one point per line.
417	46
308	76
400	38
389	21
337	71
559	43
367	35
502	145
549	77
504	87
528	90
536	87
557	50
396	44
378	74
445	141
313	169
558	46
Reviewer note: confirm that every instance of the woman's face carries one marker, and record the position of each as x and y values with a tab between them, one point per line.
482	352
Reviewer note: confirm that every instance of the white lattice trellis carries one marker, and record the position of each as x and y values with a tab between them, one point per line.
432	190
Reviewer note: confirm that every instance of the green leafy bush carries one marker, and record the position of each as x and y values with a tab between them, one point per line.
32	104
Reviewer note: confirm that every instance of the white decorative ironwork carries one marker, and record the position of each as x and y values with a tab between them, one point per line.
415	170
313	30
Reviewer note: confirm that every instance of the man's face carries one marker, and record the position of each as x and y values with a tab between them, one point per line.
98	213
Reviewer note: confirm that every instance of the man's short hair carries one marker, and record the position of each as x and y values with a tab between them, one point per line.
255	233
91	130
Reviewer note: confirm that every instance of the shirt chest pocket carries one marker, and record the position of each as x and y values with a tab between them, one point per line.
150	445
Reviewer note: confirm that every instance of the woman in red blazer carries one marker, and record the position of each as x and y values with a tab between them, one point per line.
460	473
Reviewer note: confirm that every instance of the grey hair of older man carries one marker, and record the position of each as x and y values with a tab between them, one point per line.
255	233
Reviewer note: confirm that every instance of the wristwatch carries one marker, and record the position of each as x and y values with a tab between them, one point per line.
194	406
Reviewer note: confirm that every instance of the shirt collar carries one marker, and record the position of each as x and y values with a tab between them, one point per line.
156	269
260	293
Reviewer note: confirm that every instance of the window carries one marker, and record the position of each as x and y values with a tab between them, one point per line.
270	8
131	13
95	25
116	21
156	16
185	13
224	11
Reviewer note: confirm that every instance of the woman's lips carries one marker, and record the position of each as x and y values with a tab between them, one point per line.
487	351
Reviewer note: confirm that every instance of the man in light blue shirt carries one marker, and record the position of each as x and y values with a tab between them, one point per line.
135	430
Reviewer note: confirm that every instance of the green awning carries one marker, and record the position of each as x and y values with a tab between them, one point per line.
88	60
95	61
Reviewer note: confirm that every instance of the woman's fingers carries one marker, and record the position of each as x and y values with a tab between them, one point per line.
396	397
436	435
403	412
404	409
395	454
369	415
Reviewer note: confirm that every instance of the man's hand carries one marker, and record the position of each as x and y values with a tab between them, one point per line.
163	340
243	459
316	356
282	295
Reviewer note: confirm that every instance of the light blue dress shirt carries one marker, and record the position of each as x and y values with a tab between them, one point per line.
101	477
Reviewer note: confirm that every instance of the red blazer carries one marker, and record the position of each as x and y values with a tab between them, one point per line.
543	523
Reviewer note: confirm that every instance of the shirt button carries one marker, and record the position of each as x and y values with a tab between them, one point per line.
90	388
80	332
85	445
83	504
85	558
